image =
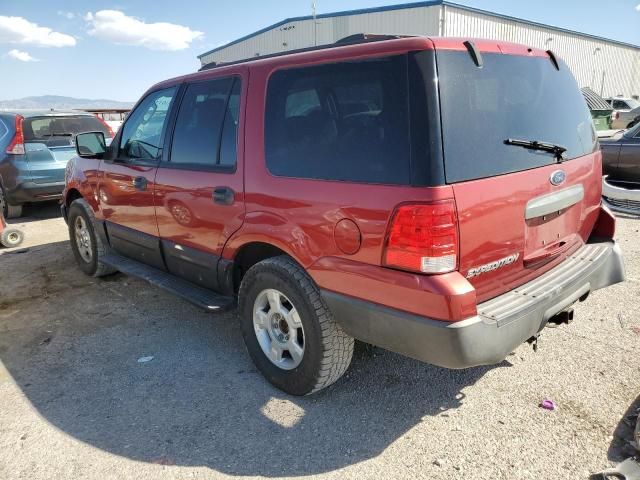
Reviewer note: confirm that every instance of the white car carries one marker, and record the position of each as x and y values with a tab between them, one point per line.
626	112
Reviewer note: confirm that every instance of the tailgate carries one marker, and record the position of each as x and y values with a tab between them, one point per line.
515	227
47	164
521	154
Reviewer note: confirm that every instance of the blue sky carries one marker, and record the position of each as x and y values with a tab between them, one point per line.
116	49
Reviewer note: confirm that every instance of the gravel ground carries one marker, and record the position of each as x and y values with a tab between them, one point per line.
76	403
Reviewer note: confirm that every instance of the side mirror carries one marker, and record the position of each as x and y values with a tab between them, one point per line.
91	145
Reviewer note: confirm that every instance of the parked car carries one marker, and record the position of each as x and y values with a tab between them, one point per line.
626	112
34	149
114	117
621	165
352	196
601	111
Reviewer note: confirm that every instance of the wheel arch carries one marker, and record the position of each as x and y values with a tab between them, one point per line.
71	195
253	250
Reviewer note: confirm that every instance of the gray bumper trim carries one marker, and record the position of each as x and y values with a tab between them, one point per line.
618	199
502	324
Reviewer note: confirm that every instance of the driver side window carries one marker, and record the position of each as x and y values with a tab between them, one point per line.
143	131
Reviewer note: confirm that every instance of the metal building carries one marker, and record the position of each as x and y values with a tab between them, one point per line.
607	66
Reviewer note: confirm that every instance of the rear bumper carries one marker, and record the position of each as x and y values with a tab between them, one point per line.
501	324
625	200
34	192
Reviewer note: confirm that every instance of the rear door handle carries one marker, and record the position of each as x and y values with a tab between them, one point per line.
223	196
140	183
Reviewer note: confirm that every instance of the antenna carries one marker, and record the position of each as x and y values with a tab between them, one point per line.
315	24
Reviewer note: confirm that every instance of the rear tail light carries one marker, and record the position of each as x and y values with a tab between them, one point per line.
616	115
16	147
106	125
423	238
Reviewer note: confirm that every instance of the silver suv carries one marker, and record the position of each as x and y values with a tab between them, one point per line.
626	112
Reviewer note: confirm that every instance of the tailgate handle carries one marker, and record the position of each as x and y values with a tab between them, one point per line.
553	202
547	256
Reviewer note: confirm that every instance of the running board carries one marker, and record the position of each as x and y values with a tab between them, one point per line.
202	297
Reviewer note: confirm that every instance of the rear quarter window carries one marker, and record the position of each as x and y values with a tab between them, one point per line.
4	133
346	121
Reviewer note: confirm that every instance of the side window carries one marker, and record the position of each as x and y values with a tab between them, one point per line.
229	142
4	130
620	105
344	121
205	132
142	133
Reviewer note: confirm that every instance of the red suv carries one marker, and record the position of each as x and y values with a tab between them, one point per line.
436	197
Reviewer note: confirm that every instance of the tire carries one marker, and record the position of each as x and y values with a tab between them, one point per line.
327	349
87	247
11	237
9	211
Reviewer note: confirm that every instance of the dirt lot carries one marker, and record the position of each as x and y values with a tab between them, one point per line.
76	403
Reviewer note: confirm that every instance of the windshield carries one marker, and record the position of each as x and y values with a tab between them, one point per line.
51	129
510	97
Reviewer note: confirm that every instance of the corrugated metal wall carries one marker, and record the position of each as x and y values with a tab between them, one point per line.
620	64
589	59
300	34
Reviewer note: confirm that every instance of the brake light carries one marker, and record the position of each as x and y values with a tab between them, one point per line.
106	125
616	115
423	238
16	147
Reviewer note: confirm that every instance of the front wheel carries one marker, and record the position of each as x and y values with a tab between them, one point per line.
87	247
288	329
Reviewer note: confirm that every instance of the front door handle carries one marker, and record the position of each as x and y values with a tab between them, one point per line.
223	196
140	183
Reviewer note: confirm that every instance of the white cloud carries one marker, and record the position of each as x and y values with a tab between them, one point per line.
18	30
116	27
67	15
638	7
22	56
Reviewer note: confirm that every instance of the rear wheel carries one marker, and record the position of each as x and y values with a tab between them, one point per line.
11	237
9	211
87	246
288	329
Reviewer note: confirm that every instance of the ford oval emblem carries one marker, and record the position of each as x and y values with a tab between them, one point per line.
558	177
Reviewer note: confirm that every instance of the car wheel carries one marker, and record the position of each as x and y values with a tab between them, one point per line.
11	237
633	123
9	211
288	329
88	248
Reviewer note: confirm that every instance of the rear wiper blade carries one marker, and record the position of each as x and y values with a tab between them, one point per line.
557	150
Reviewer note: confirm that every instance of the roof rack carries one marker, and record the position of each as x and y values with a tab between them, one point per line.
349	40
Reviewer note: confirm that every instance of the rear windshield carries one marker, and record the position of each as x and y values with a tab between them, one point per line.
48	129
509	97
633	103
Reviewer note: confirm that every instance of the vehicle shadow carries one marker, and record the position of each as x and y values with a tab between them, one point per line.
74	353
35	212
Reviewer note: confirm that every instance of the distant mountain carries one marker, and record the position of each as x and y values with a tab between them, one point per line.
46	102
